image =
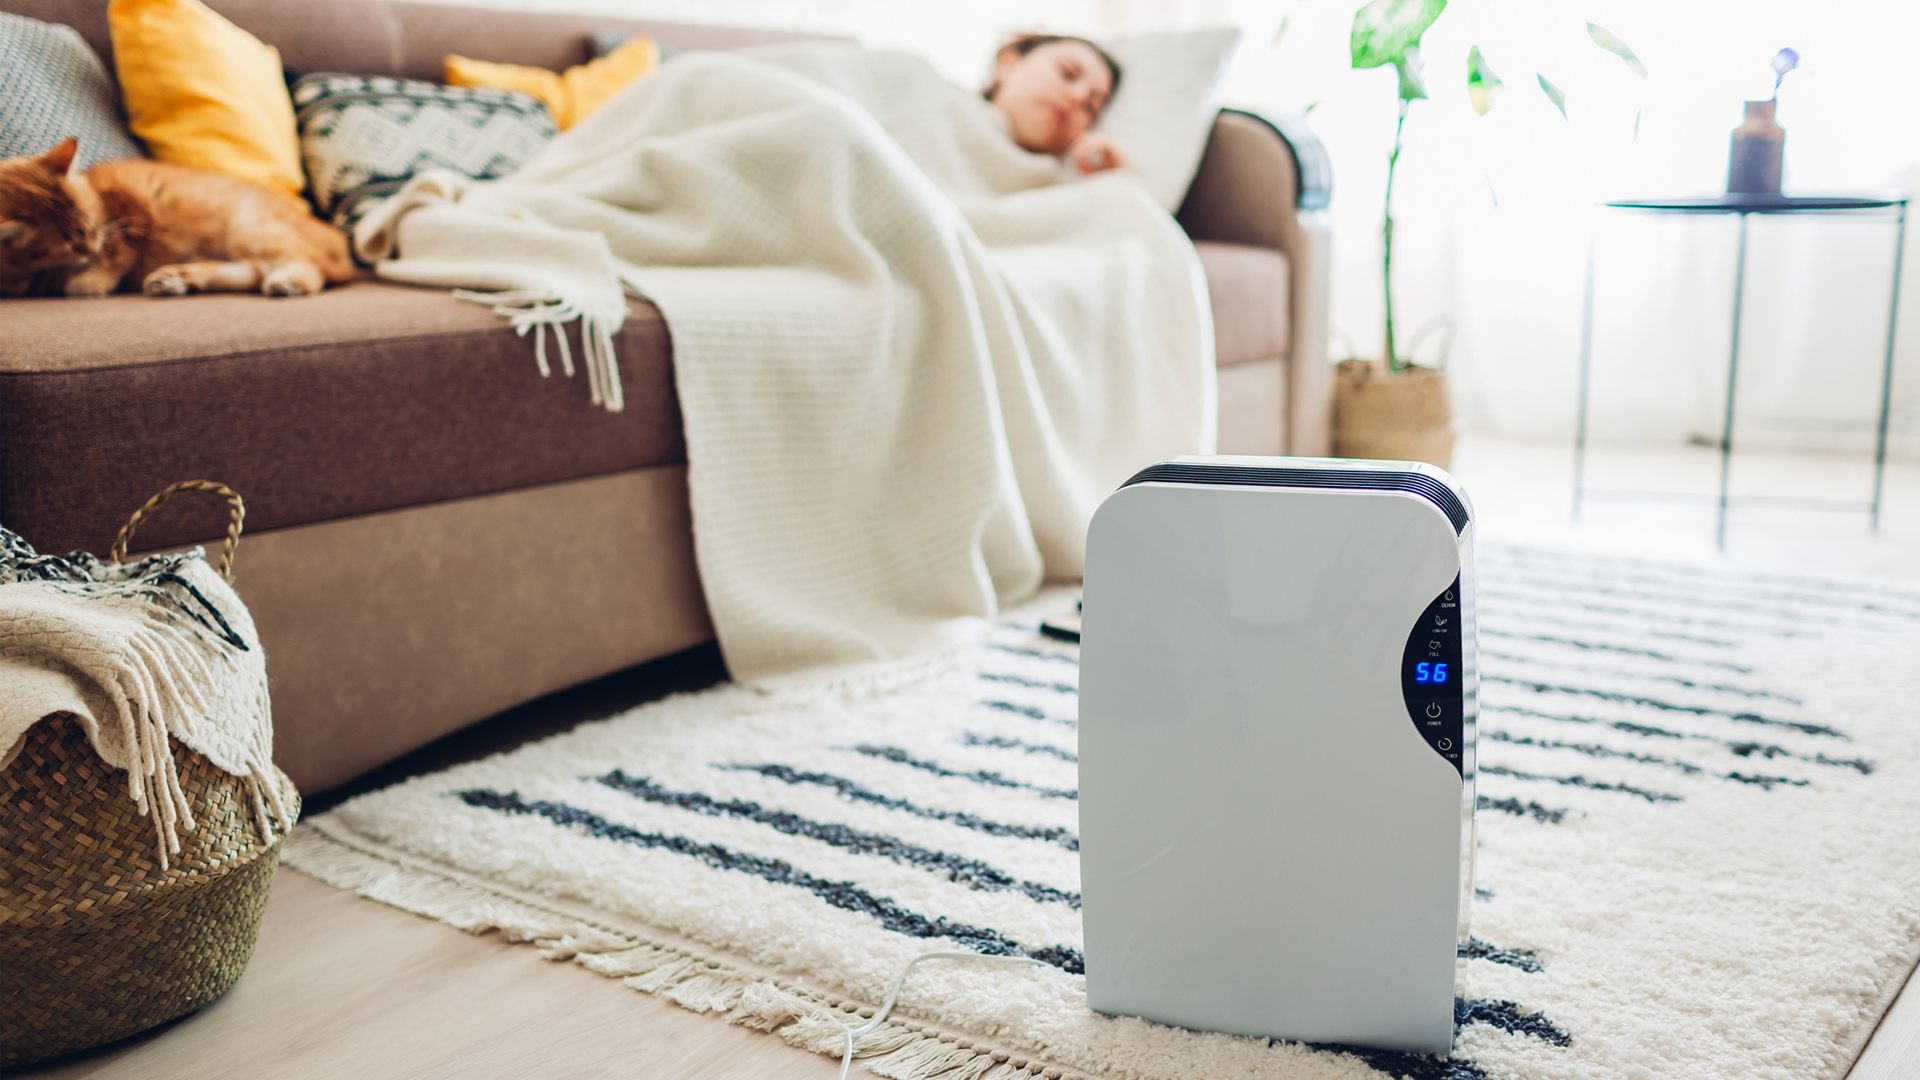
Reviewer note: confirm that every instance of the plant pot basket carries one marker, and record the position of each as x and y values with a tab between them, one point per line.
1392	416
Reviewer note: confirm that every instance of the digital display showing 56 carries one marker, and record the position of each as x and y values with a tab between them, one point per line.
1431	677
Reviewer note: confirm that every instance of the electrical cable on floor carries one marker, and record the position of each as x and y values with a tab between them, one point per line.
846	1060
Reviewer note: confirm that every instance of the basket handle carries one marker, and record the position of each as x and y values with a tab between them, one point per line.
119	552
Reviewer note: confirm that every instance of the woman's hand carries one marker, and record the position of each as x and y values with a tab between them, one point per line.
1094	152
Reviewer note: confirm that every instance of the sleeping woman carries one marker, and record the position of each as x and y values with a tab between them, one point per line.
1051	89
910	363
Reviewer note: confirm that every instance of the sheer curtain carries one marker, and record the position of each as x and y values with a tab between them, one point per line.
1496	214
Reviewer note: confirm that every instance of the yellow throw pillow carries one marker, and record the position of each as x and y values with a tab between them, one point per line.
203	92
572	95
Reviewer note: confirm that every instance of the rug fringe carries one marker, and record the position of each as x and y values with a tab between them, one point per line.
895	1051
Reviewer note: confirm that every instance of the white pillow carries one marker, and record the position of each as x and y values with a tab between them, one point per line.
1164	110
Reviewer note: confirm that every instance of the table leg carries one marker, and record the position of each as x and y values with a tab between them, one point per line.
1886	373
1586	365
1733	375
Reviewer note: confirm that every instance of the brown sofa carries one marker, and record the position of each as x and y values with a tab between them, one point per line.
435	534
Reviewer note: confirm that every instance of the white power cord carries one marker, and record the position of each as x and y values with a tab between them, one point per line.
846	1060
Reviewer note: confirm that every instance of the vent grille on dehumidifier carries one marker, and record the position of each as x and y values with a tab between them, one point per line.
1427	487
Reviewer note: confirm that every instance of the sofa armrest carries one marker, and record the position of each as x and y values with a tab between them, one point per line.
1266	181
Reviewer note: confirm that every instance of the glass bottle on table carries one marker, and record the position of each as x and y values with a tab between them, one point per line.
1759	148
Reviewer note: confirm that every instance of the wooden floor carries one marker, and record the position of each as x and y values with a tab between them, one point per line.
1894	1052
344	987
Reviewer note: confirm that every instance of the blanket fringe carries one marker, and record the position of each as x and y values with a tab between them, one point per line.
897	1051
539	309
154	687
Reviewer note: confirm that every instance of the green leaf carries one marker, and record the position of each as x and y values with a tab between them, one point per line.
1482	84
1385	30
1411	88
1554	94
1607	40
1280	32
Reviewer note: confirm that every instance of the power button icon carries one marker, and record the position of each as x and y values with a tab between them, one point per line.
1433	709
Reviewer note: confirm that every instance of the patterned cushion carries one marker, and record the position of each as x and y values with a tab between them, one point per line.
52	85
363	136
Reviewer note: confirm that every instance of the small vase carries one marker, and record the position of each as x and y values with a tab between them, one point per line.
1759	147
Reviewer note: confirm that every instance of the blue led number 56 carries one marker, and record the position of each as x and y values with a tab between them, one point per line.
1430	673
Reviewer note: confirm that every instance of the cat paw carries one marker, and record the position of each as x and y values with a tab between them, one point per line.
283	283
167	282
92	281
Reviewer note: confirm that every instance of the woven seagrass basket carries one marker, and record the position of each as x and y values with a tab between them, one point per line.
97	942
1392	416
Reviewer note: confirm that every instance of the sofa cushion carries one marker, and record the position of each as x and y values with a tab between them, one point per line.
204	93
572	94
52	85
364	136
1164	103
368	397
1249	289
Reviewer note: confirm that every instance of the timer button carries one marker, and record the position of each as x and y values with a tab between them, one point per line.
1446	744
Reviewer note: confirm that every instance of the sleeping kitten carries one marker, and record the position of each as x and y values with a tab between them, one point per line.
166	229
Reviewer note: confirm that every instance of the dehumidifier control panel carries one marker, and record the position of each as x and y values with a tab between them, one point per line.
1430	676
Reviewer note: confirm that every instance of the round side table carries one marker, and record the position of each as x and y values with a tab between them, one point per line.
1893	208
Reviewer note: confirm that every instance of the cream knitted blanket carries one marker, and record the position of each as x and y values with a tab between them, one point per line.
910	365
137	653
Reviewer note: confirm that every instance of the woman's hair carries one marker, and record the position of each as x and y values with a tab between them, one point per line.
1026	43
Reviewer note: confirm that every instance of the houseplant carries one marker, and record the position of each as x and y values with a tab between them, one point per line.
1391	408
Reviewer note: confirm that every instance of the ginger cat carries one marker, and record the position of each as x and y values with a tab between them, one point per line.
167	230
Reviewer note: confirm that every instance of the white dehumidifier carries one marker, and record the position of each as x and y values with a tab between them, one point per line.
1277	704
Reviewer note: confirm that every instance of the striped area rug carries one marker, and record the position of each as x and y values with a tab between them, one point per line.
1699	846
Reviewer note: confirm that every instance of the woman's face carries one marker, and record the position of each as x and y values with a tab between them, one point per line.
1052	94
